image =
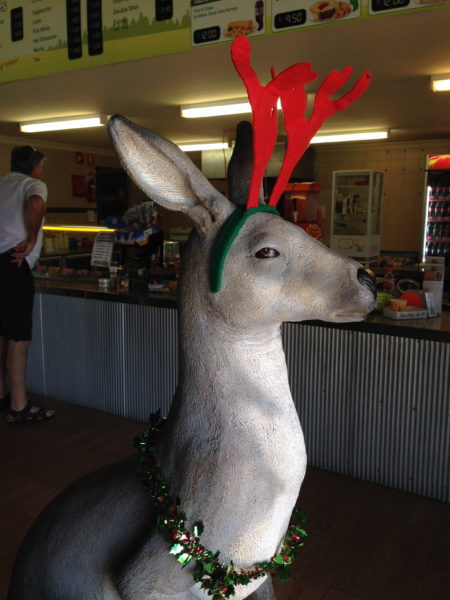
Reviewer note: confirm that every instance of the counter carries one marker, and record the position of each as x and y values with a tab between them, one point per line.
373	397
90	290
437	328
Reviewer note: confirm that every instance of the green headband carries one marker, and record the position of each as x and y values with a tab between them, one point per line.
226	237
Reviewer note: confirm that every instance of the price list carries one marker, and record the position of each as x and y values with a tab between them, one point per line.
291	18
163	10
94	26
292	14
73	19
17	24
377	6
383	6
224	20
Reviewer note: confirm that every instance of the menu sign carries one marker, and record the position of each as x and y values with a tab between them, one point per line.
102	250
47	19
382	6
41	37
222	20
291	14
49	36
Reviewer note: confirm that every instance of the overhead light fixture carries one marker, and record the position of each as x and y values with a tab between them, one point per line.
76	228
215	109
350	137
440	83
205	146
237	106
60	123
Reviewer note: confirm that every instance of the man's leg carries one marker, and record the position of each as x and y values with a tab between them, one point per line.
16	325
3	355
16	365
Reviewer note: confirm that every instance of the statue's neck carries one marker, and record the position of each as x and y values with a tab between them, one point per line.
222	364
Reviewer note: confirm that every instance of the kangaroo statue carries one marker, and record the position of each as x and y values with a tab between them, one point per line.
232	448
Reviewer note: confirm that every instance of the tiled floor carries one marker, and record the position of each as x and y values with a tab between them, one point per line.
366	542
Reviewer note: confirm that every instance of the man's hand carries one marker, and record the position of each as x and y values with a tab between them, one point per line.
34	213
21	250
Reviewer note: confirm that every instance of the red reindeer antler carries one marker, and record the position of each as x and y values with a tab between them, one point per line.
289	85
265	119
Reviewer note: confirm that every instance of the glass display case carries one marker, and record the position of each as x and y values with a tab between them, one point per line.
356	214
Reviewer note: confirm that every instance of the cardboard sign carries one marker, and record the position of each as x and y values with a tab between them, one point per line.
102	249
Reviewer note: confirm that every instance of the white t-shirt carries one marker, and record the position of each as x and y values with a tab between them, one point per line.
15	189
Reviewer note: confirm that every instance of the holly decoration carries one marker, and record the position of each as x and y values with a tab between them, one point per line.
218	579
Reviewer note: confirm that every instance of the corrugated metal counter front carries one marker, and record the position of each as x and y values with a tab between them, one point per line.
373	397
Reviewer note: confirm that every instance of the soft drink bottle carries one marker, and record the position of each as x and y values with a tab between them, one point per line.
389	281
259	14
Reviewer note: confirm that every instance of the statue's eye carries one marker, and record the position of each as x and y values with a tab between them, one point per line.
267	253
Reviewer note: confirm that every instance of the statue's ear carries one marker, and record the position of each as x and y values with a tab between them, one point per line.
164	172
240	167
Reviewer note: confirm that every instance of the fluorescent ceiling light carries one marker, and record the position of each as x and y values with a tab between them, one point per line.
60	123
440	83
237	106
205	146
350	137
77	228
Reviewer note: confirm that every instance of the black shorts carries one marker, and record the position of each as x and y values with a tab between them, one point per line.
16	299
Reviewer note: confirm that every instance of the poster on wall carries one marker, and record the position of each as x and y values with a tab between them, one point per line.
223	20
292	14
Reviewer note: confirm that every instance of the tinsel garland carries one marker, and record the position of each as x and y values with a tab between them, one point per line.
218	579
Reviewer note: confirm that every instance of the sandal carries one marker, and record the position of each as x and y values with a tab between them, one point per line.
26	415
5	402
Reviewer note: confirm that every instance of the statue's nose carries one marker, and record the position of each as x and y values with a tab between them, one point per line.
366	277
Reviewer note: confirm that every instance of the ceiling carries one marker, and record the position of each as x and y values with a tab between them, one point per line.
401	50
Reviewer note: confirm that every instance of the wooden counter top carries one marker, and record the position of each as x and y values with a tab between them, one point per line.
437	328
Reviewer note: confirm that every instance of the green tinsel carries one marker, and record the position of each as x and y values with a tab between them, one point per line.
218	579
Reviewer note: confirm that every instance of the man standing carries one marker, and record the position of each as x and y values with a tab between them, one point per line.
22	206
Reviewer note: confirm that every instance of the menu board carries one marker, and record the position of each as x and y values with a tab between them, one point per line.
383	6
38	37
292	14
222	20
40	25
41	37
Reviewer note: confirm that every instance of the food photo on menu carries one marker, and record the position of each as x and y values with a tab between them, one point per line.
325	10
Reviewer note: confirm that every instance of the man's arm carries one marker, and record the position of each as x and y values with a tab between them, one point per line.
34	213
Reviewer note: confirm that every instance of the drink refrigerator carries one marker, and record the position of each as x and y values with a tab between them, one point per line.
436	233
356	214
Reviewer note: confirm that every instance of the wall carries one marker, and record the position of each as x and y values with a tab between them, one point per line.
60	165
403	166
